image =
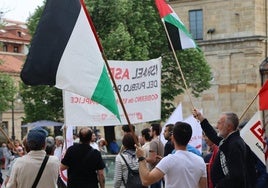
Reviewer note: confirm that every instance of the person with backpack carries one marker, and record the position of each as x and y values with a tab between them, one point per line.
126	165
233	166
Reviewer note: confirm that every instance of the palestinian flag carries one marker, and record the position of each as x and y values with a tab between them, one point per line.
65	52
177	32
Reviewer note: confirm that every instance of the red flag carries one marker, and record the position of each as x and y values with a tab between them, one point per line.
263	97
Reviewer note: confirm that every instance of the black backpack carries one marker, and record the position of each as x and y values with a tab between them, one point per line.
133	177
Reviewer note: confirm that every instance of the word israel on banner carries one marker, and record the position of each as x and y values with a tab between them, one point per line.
139	85
252	133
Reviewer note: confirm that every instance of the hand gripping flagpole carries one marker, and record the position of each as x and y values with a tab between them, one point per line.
110	72
177	61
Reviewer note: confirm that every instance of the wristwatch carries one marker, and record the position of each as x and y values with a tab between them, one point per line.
141	159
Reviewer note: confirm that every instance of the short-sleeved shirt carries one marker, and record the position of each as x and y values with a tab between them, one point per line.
156	146
182	169
83	162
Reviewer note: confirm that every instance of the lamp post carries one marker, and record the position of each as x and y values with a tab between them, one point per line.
13	122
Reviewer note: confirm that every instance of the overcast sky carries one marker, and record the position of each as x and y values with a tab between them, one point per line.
18	10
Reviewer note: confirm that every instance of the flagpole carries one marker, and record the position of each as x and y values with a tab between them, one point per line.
119	97
248	106
5	134
109	70
177	61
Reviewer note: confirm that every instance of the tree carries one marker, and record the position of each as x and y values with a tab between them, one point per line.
8	91
132	30
41	103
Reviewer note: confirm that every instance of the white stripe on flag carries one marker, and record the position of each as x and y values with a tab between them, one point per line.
81	64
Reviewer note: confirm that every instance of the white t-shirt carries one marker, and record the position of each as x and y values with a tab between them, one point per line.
182	169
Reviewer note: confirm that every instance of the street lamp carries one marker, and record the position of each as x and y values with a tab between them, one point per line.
13	121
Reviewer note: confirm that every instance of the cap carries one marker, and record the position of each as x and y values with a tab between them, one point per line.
37	135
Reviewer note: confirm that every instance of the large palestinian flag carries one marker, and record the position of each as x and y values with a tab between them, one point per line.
66	52
177	32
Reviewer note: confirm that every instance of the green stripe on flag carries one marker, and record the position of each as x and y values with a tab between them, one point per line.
172	20
104	93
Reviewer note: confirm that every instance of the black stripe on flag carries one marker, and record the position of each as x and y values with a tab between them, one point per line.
174	36
49	41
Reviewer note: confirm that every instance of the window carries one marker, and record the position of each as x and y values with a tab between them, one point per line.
5	48
16	49
196	24
19	33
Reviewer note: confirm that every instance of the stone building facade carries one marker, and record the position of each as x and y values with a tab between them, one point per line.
233	39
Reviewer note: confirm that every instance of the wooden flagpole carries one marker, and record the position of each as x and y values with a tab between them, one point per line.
120	98
177	61
5	134
246	109
110	73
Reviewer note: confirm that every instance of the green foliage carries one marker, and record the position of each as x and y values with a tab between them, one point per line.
41	103
8	91
131	30
33	20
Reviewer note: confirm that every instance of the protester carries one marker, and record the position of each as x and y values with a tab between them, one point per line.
262	175
18	150
156	151
213	149
6	154
26	150
145	134
128	152
114	147
126	129
83	163
102	144
182	169
230	165
93	142
76	138
59	140
169	147
25	168
50	146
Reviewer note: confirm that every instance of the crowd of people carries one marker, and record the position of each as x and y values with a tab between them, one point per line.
38	160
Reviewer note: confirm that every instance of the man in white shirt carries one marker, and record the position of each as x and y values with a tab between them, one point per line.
182	169
59	140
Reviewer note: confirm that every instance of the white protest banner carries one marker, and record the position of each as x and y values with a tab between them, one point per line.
196	140
139	84
252	133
